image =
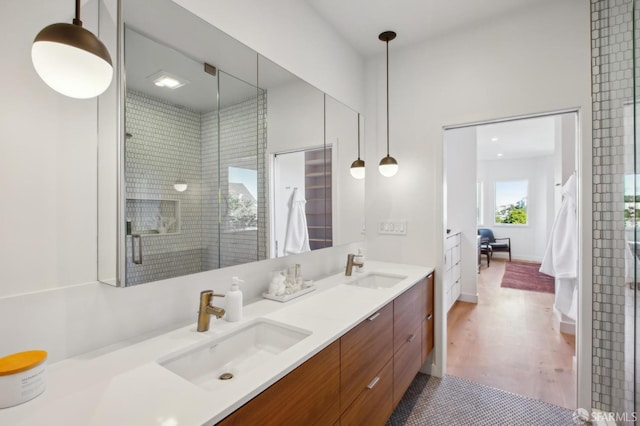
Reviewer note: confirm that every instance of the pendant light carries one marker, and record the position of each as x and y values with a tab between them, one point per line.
357	167
388	165
72	60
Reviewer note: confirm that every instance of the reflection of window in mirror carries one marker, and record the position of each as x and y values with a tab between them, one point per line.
631	200
304	176
479	218
242	208
511	203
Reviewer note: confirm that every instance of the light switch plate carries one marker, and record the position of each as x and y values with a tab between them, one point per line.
393	227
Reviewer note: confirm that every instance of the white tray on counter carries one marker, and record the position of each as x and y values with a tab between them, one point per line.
287	297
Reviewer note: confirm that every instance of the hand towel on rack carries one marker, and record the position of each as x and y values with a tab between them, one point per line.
297	236
561	257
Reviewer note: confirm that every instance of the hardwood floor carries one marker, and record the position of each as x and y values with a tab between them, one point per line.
510	341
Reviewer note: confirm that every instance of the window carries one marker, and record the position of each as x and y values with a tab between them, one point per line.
631	202
511	202
242	209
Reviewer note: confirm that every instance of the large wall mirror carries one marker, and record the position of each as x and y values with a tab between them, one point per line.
211	155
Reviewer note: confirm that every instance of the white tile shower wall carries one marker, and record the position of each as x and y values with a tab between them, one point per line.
612	88
69	321
164	147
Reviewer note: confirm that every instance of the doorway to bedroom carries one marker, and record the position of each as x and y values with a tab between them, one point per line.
509	326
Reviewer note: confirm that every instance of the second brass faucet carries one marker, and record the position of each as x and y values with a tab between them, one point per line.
207	309
351	263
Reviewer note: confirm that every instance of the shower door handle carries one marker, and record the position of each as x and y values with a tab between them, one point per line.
138	260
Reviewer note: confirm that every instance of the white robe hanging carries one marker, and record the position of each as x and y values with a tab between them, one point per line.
561	257
296	239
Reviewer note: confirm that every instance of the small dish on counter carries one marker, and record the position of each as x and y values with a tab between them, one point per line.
287	297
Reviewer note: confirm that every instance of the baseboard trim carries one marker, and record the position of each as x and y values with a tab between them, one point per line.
470	298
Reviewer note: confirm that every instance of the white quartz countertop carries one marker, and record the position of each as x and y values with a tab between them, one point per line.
125	385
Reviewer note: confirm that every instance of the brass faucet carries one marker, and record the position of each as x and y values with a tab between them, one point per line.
351	263
206	309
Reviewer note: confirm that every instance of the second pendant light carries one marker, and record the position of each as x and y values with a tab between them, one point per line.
388	165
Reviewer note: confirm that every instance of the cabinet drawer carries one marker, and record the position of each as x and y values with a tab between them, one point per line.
430	293
455	290
452	241
374	405
406	363
455	273
364	351
428	331
455	255
407	314
307	395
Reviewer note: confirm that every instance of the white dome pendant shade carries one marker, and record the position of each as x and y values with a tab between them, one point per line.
357	169
388	165
72	60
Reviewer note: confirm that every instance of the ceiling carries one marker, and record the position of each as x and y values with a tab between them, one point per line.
525	138
360	21
152	46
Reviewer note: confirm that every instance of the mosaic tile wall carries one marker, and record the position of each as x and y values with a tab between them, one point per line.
170	142
164	146
612	90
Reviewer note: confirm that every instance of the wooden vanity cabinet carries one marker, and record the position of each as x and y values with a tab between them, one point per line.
408	313
428	322
359	378
306	396
364	351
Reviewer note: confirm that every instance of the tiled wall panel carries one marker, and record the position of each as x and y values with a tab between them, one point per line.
613	159
164	147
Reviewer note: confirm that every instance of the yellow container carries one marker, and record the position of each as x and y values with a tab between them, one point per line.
22	377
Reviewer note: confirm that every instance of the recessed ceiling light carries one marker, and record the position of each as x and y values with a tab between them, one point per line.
499	154
167	80
494	139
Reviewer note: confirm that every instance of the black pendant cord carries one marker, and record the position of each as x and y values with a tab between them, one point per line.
76	20
387	97
358	136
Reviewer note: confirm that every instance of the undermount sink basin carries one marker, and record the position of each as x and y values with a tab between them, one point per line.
233	355
377	280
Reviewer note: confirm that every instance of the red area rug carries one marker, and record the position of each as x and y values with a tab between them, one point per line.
525	276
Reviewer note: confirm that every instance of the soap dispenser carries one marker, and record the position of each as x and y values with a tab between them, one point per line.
360	259
234	301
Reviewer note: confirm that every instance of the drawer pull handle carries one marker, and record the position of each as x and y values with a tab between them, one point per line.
429	317
374	316
373	382
410	339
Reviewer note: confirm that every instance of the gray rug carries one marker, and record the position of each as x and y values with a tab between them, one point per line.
455	401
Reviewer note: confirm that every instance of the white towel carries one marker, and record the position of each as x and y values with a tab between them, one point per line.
561	257
297	236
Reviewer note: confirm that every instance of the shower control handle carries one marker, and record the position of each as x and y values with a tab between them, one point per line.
138	260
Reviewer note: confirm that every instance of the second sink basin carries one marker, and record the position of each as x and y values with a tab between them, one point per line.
231	356
377	280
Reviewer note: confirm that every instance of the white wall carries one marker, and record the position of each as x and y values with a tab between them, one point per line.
532	61
47	163
460	162
48	188
291	34
528	242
